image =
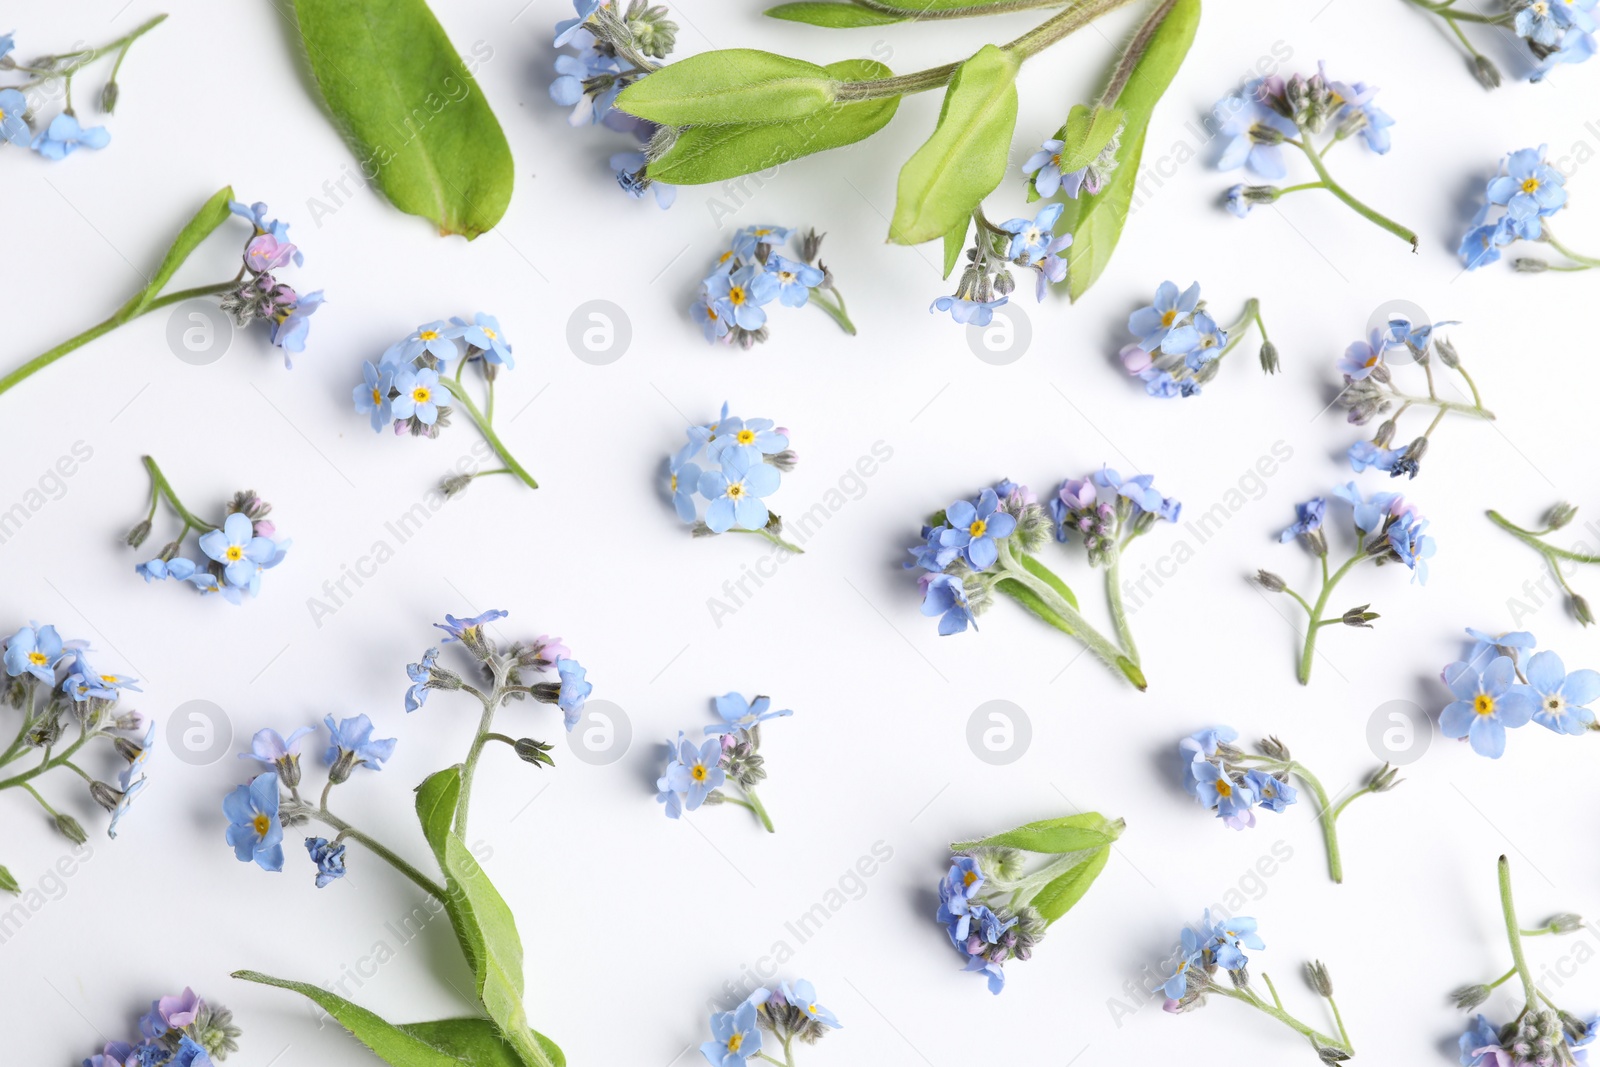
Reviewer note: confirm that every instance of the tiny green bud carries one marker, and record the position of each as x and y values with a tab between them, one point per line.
1470	996
534	752
339	773
1360	617
71	829
1274	748
108	97
1485	71
1447	353
1383	779
135	537
1580	609
1385	435
1261	134
1269	357
455	485
1564	923
1559	515
1330	1055
1317	976
1529	265
1270	582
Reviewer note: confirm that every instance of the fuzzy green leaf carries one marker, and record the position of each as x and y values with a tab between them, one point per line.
704	154
436	811
1034	603
476	1042
1071	833
410	109
734	85
1058	896
205	222
955	242
1096	222
833	16
1049	577
966	157
391	1043
1086	135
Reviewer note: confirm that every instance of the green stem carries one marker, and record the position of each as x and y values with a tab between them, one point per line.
383	852
1531	539
478	420
1119	614
1311	1034
1328	585
50	764
1550	239
1339	191
469	766
1475	410
162	487
759	808
835	311
43	803
1328	817
1514	933
1063	615
770	536
995	7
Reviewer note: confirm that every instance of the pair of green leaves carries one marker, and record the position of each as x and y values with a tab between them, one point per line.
410	109
487	934
740	110
1081	843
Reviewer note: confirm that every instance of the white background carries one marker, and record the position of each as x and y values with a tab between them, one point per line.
632	924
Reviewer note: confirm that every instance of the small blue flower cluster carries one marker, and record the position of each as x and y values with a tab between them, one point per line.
182	1030
750	457
405	388
64	134
751	274
542	655
986	282
1212	775
237	553
790	1011
1042	170
1503	683
730	754
1391	529
1178	343
1556	32
73	690
1486	1045
610	51
1526	191
1218	945
986	933
260	296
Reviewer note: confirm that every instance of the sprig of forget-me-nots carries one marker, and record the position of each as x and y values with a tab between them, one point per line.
1370	390
59	692
1219	946
238	550
1554	31
1554	555
720	479
1180	346
789	1013
1517	201
976	548
47	75
181	1030
996	904
1233	783
1542	1034
1502	683
1025	244
411	389
1268	113
752	273
1387	530
696	774
611	48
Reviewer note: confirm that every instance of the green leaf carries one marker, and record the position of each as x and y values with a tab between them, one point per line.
966	157
955	242
436	810
1086	135
1046	575
1096	222
1034	603
410	109
8	882
475	1042
393	1044
1071	833
1059	895
734	85
213	214
833	16
704	154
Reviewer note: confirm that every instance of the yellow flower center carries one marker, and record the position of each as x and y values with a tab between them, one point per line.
1224	788
674	483
736	491
968	878
735	1042
1055	161
811	1009
977	528
711	313
377	397
736	295
745	437
1483	704
490	334
422	394
234	553
1169	317
725	256
261	824
785	277
109	679
1530	185
38	659
428	335
698	772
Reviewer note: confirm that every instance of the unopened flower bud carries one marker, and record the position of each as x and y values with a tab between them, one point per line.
1317	976
1580	609
339	773
1380	373
1559	515
1270	582
1485	71
1316	542
1360	617
455	484
1470	996
1564	923
135	537
1385	435
1330	1055
108	97
1274	748
1269	357
1529	265
1447	353
1384	778
810	244
1004	283
71	829
535	752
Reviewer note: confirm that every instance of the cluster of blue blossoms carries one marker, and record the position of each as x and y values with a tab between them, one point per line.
236	553
406	388
730	756
788	1012
1180	346
1391	529
1523	193
978	917
64	134
259	295
1530	1042
1503	683
752	273
750	456
611	48
1216	946
1026	244
183	1030
53	684
1212	775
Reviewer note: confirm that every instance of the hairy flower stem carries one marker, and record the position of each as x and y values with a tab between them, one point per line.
50	763
1305	145
83	58
160	487
770	536
1025	47
994	7
469	766
1035	587
1318	1039
1327	812
1551	554
835	309
752	803
1315	611
126	314
1514	934
382	851
485	427
1550	239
